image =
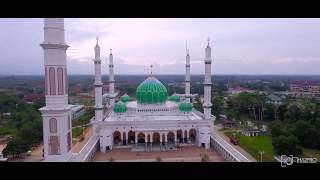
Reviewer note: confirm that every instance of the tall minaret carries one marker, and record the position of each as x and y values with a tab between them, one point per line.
97	83
56	115
187	81
111	78
207	83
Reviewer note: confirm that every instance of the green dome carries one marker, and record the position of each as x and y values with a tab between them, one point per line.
185	107
174	98
125	98
120	107
151	91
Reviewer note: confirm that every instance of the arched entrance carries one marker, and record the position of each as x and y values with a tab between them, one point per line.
163	138
141	138
179	136
124	138
131	137
116	138
170	137
192	135
156	138
148	138
185	135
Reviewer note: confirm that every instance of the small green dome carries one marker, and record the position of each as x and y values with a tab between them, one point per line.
125	98
120	107
185	107
151	91
174	98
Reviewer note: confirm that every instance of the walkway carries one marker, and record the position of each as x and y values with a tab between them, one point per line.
242	151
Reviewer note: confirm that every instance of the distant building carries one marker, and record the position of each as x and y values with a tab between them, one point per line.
77	111
30	98
228	123
75	89
8	114
274	99
238	90
251	131
304	88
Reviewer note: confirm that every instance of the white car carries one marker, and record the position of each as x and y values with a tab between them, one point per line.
3	159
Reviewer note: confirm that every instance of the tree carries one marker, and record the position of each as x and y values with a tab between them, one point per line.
286	145
15	147
276	129
198	105
158	159
307	134
217	105
205	158
294	111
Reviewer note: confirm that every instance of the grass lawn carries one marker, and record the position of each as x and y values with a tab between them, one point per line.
255	144
76	132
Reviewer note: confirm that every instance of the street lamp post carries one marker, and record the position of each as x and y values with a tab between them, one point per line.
261	153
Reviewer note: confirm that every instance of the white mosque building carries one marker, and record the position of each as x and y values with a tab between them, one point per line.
154	121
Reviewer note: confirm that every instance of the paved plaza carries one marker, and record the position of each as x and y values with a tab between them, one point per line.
185	154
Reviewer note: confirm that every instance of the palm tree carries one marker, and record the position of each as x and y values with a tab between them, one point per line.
158	159
205	158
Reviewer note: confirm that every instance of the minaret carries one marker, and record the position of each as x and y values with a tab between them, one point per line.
56	115
207	83
97	83
187	80
111	78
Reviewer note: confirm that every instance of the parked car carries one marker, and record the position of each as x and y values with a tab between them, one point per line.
3	159
234	140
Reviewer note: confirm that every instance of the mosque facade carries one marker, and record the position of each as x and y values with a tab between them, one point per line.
152	120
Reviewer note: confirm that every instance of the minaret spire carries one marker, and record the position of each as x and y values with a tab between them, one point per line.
187	80
111	79
97	83
207	83
97	41
57	134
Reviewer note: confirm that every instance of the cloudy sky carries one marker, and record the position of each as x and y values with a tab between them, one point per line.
239	46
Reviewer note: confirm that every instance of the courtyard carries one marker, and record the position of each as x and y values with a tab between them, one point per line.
185	154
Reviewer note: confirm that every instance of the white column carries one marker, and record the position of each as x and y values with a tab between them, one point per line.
187	80
165	139
182	135
207	84
136	138
111	78
151	140
56	115
188	136
98	84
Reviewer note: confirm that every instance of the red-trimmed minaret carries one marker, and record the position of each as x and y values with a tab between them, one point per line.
56	114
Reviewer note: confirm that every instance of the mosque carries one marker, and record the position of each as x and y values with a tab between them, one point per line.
153	121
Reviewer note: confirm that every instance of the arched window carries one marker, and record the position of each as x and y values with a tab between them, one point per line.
53	125
66	79
69	141
46	81
54	145
52	81
60	80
